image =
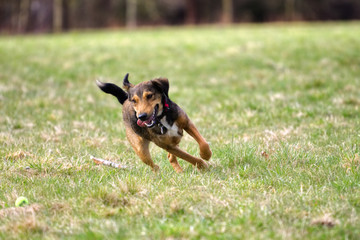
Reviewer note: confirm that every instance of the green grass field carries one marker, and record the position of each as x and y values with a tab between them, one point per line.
279	105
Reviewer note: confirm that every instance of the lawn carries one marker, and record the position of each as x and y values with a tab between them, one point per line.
278	103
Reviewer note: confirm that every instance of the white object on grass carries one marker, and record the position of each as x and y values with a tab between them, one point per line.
107	163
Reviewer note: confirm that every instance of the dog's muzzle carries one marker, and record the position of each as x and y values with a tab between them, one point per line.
151	121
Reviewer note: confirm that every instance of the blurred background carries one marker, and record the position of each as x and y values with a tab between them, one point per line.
39	16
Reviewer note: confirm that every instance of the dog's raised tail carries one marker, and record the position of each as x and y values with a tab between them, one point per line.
113	89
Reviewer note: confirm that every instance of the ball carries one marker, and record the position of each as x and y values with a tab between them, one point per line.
21	201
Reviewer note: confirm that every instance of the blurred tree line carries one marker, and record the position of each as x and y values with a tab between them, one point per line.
61	15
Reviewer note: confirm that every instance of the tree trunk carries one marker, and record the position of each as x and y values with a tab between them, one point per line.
152	10
23	15
57	15
131	13
227	11
289	10
190	12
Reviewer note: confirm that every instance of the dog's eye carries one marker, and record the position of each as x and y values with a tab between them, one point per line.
133	100
149	96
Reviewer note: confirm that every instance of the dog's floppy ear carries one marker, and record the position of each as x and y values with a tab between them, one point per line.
162	84
126	84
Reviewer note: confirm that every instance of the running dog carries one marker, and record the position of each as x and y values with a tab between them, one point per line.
150	116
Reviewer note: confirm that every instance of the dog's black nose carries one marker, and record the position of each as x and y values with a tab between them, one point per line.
142	116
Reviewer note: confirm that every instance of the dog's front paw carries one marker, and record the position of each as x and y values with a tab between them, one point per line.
156	168
205	151
202	165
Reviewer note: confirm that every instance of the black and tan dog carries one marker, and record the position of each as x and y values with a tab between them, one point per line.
150	116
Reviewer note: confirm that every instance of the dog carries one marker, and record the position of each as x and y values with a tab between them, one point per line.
150	116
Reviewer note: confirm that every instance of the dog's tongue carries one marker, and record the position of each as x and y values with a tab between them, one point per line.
140	123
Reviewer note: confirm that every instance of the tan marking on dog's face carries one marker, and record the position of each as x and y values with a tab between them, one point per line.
135	99
148	95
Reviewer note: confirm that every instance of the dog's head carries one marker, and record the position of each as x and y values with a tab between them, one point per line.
147	99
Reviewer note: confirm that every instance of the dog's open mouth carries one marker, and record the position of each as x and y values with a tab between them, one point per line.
150	122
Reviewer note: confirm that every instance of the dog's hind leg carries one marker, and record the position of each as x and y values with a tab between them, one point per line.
174	163
199	163
141	148
205	151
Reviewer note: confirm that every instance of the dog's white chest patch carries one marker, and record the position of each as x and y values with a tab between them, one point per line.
171	130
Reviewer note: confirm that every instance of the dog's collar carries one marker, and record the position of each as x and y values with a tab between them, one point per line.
165	102
166	107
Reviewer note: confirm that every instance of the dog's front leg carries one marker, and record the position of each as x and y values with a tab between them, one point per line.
141	148
205	151
176	151
174	163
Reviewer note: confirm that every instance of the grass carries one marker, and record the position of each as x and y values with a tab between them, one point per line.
278	103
